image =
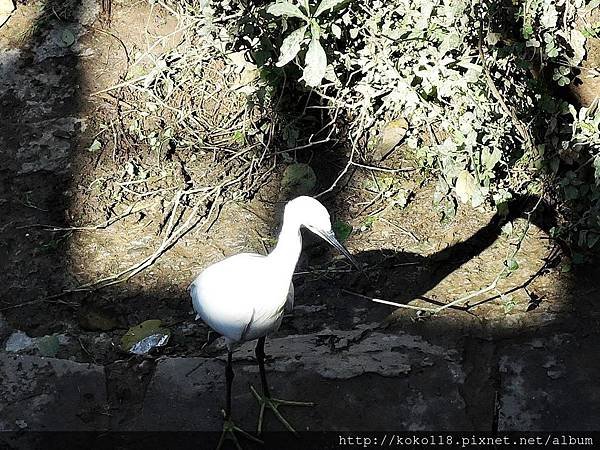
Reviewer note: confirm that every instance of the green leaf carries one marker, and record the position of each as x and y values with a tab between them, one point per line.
342	230
67	38
336	30
571	192
577	43
285	8
592	239
316	63
489	160
511	264
369	221
143	337
549	16
325	5
96	145
48	346
578	258
298	179
291	46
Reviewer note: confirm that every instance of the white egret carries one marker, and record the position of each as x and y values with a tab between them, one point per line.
245	296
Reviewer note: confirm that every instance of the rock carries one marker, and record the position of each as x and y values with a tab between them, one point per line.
379	378
45	345
4	327
8	60
47	394
64	38
18	341
550	385
49	150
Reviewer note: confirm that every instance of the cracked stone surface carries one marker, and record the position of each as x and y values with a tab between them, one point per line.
415	382
47	394
550	383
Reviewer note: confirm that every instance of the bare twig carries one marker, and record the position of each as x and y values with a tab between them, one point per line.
488	288
383	169
387	302
354	140
130	210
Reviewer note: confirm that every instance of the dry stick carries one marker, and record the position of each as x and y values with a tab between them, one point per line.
302	147
432	310
119	85
126	274
136	268
521	286
488	288
387	302
102	226
402	229
383	169
370	203
473	294
350	160
171	237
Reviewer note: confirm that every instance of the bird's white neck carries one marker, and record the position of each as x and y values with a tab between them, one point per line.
287	251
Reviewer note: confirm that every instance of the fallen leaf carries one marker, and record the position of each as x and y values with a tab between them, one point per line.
466	186
144	337
67	38
391	135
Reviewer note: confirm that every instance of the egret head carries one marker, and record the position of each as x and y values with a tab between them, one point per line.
310	213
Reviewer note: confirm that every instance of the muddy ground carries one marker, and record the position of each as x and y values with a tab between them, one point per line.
519	357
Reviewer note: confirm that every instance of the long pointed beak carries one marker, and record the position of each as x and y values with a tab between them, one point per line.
330	237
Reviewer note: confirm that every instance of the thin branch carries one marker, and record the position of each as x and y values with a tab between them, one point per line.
387	302
102	226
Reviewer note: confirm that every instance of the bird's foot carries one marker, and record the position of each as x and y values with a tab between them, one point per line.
273	404
229	431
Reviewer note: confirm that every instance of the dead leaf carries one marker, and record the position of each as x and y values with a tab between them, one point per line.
391	135
465	186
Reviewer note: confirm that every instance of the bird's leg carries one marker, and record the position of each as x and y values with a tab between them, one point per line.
260	357
229	428
229	375
265	400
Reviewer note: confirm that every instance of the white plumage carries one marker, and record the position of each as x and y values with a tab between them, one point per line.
244	297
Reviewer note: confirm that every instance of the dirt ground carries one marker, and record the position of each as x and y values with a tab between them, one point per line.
51	183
